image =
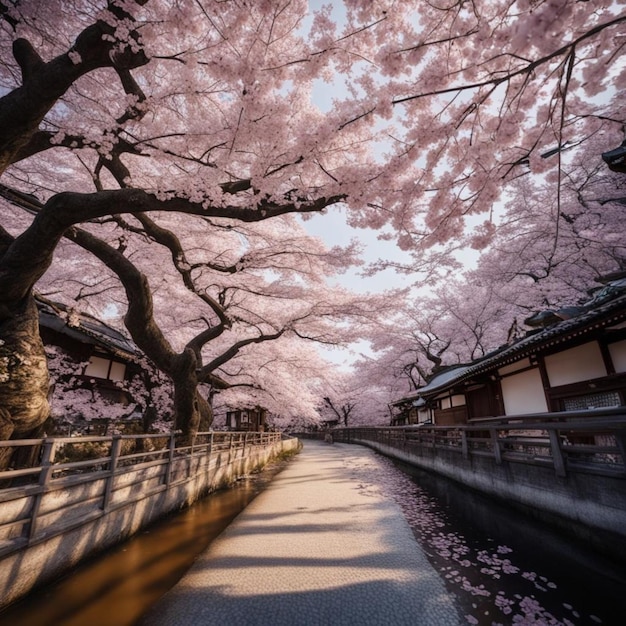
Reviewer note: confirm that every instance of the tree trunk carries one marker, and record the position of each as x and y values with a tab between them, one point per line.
23	373
187	413
206	413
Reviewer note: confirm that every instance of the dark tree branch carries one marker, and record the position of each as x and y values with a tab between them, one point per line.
526	69
233	350
22	109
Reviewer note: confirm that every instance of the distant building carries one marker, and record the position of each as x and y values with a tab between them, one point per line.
574	359
250	419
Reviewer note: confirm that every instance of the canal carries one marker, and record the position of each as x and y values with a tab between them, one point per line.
501	566
117	587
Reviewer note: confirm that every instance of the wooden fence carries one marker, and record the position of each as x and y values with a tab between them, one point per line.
568	470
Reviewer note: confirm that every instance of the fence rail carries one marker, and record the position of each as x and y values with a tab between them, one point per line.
579	443
75	479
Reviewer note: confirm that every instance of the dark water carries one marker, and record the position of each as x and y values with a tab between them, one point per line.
502	566
116	588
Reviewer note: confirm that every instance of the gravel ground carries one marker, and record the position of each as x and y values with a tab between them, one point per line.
320	546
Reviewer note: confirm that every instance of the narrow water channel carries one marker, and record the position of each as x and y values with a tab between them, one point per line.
117	587
502	566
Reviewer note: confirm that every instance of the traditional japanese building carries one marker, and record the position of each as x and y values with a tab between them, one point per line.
87	354
573	359
251	419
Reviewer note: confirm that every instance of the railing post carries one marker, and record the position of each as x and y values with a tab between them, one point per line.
47	461
464	444
116	446
170	460
557	453
497	452
209	452
193	439
620	441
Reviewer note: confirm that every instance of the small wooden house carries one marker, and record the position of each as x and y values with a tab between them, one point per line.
410	410
253	419
573	360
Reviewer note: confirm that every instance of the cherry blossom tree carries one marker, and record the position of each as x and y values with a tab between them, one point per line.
149	133
522	81
483	93
266	290
283	377
203	134
456	323
548	253
339	398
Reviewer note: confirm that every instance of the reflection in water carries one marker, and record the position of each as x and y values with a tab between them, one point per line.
115	589
503	567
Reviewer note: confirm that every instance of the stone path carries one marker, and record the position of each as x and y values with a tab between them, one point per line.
322	545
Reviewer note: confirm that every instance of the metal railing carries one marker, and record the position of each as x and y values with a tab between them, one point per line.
587	442
73	464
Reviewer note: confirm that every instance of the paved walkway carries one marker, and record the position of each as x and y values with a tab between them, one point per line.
321	546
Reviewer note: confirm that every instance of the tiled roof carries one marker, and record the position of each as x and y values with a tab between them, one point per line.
88	329
608	308
451	375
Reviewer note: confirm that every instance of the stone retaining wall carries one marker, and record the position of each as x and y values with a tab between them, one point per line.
587	507
73	524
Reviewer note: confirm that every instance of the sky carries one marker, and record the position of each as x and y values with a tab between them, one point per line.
334	231
332	227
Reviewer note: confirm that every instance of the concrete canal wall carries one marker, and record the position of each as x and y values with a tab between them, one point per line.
588	507
46	531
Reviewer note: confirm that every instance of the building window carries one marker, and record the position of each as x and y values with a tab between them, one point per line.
457	400
592	401
100	367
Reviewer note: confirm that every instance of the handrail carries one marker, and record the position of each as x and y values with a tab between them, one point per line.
106	460
571	444
225	434
559	416
50	462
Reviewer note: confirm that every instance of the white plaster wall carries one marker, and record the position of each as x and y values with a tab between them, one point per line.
458	400
618	355
523	393
575	365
